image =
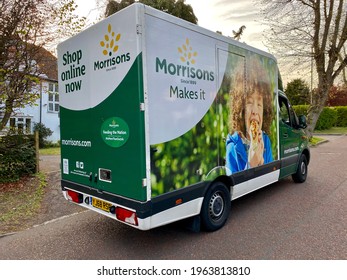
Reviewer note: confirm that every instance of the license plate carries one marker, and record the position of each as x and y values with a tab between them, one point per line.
100	204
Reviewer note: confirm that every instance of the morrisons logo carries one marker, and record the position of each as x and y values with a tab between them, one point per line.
187	69
110	46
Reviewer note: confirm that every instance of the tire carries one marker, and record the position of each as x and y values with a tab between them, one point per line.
216	207
301	172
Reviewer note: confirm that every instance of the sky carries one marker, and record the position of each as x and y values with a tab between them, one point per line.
229	15
215	15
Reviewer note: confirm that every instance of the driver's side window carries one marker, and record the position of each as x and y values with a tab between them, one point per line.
284	111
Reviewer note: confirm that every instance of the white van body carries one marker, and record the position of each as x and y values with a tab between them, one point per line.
144	109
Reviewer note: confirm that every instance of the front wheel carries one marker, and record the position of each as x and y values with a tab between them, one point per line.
216	207
301	172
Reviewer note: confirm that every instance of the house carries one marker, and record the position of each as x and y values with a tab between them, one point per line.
46	109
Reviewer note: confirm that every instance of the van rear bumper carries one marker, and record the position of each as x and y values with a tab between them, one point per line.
179	199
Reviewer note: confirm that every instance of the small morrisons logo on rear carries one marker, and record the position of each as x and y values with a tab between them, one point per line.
109	47
109	44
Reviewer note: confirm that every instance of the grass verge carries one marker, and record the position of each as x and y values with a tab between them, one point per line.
50	151
333	130
316	140
19	201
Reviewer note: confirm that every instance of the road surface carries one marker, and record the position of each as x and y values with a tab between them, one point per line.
283	221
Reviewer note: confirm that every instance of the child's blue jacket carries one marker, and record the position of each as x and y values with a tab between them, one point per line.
236	152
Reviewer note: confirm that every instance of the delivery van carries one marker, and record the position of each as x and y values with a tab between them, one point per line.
162	120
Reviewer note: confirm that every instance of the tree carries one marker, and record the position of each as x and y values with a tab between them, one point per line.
173	7
26	27
66	22
21	24
310	30
344	70
44	132
298	92
113	6
337	96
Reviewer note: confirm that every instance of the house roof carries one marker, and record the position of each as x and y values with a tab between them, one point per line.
39	56
47	64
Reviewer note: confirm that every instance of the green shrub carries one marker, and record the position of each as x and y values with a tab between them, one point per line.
17	157
300	109
327	119
341	116
51	144
44	132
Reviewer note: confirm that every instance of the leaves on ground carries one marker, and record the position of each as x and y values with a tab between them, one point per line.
19	202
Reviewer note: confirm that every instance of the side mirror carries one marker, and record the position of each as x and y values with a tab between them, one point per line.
302	121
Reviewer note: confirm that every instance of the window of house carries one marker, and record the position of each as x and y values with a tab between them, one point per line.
53	98
12	122
21	125
27	126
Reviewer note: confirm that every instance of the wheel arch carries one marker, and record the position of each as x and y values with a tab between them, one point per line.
307	153
226	180
216	203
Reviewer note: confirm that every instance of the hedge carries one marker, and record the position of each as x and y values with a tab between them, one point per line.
17	157
341	116
330	116
327	119
300	109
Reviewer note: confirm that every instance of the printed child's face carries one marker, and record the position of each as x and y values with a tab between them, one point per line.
254	111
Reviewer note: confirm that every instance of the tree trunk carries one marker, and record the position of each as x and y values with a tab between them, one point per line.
7	114
318	102
312	118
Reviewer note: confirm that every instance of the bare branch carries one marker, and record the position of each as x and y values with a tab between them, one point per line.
305	29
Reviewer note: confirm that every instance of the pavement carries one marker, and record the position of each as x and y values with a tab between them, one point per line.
49	163
54	205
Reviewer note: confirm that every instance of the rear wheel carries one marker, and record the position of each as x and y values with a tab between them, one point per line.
216	207
301	172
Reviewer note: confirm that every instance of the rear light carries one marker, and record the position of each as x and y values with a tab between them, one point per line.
126	216
74	196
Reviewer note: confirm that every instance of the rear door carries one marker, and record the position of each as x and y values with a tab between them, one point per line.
102	117
119	151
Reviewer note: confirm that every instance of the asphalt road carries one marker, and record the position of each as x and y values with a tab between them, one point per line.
283	221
